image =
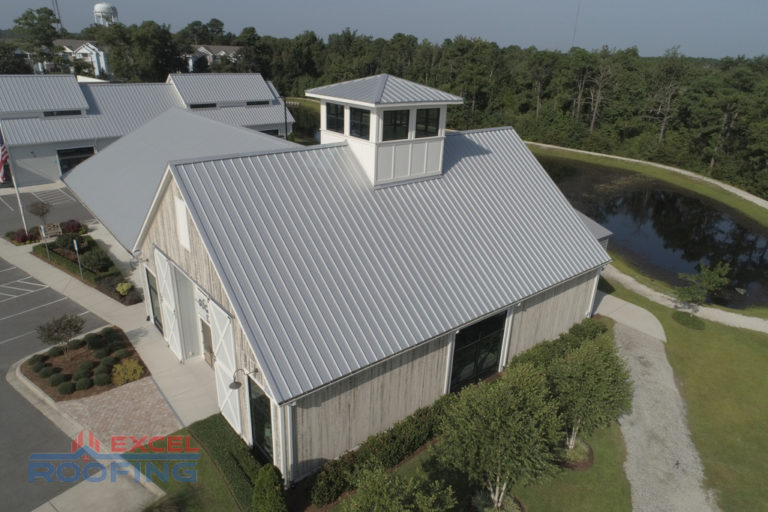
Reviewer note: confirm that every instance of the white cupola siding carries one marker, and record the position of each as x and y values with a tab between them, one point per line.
394	127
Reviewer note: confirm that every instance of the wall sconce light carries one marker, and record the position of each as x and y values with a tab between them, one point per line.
235	384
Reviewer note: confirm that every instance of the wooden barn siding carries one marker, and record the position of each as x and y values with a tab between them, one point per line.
341	416
552	312
198	265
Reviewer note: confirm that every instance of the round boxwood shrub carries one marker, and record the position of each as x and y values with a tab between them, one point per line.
111	334
66	388
84	383
101	353
57	378
87	365
38	358
37	366
122	353
95	341
102	379
117	345
48	371
75	344
55	351
108	361
102	369
82	374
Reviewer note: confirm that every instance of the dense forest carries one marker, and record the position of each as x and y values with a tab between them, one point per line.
706	115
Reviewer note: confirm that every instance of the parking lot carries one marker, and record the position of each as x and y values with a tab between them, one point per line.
64	206
26	303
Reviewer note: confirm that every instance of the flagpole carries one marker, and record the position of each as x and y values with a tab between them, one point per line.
18	198
3	161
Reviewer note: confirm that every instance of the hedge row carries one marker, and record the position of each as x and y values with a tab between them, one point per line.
385	449
231	455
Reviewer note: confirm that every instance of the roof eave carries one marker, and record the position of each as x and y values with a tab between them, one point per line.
382	105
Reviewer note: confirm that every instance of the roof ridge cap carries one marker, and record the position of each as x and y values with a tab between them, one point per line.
380	91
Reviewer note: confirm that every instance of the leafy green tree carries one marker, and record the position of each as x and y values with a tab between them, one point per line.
10	62
502	433
382	491
268	495
591	385
36	31
61	329
709	280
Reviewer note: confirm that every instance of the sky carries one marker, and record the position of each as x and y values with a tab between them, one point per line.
701	28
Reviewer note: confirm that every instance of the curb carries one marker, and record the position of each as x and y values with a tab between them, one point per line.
48	408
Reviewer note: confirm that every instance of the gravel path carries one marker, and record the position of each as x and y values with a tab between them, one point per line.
662	466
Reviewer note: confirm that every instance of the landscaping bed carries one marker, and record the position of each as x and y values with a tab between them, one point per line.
96	363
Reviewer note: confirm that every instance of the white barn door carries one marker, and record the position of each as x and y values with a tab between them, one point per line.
166	289
225	365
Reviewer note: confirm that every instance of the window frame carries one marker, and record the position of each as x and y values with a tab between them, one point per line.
338	125
397	123
423	133
360	128
77	155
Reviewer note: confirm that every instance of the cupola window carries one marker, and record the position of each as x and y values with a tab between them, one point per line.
427	122
395	124
359	123
334	117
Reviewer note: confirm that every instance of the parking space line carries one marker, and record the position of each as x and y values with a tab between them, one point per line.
6	204
16	337
9	268
9	287
22	295
34	308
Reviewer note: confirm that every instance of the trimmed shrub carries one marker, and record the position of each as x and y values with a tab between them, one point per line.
83	383
102	379
48	371
37	366
66	388
101	353
66	241
103	369
116	345
87	365
268	495
108	361
96	260
81	374
123	288
57	378
71	226
75	344
20	237
55	351
40	369
95	341
38	358
111	334
126	371
122	353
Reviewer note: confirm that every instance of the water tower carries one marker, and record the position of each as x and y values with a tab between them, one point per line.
104	14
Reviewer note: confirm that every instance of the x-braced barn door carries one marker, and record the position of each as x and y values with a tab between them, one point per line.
167	289
225	365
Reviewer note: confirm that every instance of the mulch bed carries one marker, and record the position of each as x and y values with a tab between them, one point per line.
69	363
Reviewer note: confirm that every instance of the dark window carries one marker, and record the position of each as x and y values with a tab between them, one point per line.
202	105
251	103
261	422
68	158
334	117
395	124
274	133
154	301
54	113
359	123
427	122
477	351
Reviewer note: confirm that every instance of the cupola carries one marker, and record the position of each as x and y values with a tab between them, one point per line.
394	127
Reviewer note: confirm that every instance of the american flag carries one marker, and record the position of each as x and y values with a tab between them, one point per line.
3	158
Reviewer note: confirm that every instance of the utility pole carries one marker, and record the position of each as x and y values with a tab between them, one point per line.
57	12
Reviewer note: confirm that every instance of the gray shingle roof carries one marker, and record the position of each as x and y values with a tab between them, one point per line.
221	87
134	165
383	89
38	93
328	275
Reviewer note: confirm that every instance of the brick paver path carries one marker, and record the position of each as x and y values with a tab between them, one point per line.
134	409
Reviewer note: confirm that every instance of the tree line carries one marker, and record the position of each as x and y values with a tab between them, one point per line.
706	115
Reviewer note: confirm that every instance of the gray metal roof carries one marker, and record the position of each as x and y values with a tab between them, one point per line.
255	116
119	183
221	87
383	89
598	230
328	275
39	93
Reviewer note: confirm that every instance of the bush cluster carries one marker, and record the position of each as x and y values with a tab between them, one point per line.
66	388
96	260
75	344
126	371
83	383
21	237
385	449
95	341
55	351
102	379
268	495
57	378
47	371
73	226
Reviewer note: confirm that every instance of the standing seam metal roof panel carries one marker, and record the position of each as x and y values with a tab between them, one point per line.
36	93
384	89
221	87
328	275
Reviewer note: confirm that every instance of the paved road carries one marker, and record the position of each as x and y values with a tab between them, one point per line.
24	304
63	207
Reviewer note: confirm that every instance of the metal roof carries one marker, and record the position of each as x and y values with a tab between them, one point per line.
221	87
134	165
39	93
598	230
255	116
383	89
328	275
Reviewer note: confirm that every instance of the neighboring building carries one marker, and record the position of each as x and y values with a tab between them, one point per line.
105	14
212	53
347	284
51	123
85	51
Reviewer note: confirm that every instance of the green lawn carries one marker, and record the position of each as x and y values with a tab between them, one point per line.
722	375
602	487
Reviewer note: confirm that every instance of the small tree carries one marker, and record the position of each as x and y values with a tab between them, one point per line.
40	209
709	280
381	491
591	384
502	433
268	495
59	330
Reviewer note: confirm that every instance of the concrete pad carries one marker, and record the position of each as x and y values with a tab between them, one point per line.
628	314
122	495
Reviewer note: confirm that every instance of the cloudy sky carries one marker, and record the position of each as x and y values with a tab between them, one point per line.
701	28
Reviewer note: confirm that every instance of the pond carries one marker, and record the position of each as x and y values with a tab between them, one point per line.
663	230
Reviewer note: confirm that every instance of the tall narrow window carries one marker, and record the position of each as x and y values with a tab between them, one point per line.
261	422
476	352
427	122
154	301
395	124
360	123
334	117
182	228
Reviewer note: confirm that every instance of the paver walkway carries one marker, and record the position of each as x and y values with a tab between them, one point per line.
663	466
